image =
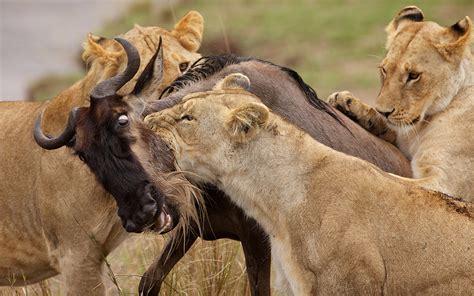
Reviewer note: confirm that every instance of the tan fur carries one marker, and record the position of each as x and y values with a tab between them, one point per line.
55	217
333	231
433	111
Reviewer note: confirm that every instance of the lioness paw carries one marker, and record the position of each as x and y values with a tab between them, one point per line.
345	102
361	113
151	120
339	97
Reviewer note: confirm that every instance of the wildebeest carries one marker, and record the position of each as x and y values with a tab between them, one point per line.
55	217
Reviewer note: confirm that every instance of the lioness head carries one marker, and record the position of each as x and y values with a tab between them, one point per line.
206	127
179	46
424	68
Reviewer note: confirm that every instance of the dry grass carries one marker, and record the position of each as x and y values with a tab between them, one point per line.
209	268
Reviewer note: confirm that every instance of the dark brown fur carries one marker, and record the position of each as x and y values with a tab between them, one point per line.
105	147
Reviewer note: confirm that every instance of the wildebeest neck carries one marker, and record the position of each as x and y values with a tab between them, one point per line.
283	91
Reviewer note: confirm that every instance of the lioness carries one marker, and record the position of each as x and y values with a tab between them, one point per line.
333	230
54	217
426	104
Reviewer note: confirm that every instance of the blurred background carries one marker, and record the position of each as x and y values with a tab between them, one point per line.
41	39
333	44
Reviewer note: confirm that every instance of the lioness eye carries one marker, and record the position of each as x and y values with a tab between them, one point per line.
413	76
123	120
382	70
183	66
187	117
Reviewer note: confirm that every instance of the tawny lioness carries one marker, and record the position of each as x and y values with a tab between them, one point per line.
426	102
337	225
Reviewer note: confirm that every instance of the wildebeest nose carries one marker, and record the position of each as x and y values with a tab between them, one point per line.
386	114
131	227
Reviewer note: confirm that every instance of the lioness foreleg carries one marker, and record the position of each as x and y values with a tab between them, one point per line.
363	114
356	268
82	273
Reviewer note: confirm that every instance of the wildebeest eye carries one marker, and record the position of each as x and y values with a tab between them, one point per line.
122	120
186	117
183	66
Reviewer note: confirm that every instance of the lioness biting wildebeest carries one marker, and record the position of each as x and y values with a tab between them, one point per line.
120	120
337	224
298	102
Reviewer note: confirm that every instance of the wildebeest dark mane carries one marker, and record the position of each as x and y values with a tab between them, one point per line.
210	65
202	69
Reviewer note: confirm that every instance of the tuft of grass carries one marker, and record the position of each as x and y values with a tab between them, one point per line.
209	268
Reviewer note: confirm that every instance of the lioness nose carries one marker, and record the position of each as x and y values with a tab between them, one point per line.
386	114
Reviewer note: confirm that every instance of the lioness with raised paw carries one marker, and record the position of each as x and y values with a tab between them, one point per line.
337	224
426	103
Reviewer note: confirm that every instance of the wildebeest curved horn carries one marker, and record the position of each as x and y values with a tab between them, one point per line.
48	143
153	68
110	86
159	105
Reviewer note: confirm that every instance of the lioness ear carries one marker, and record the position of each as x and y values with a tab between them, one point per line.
406	16
233	81
189	30
97	48
458	37
244	122
461	31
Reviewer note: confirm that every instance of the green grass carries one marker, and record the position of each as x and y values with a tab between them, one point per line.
334	45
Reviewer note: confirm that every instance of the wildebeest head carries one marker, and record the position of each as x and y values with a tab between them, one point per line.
111	139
